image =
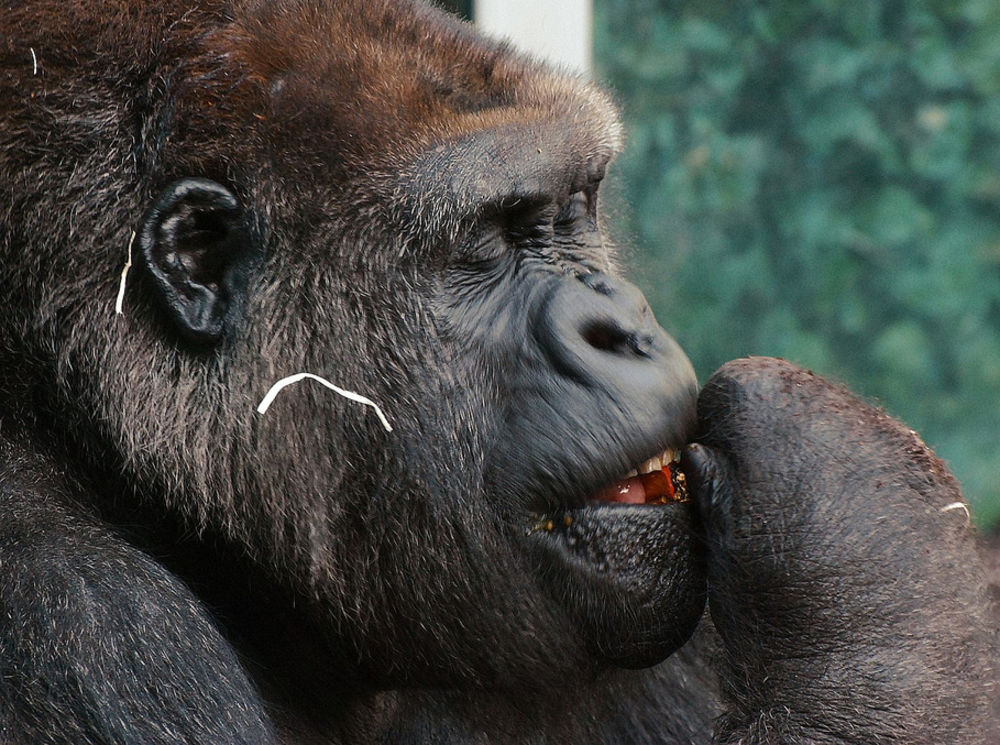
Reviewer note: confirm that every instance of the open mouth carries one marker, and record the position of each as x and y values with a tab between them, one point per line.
627	564
658	480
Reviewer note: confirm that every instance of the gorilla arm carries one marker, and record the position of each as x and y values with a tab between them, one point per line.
97	642
852	602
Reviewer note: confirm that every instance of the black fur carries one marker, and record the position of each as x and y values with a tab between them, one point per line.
844	577
367	191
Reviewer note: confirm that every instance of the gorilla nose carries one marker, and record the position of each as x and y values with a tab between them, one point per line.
599	330
623	323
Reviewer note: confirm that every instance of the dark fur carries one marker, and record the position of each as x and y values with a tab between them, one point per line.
845	555
176	568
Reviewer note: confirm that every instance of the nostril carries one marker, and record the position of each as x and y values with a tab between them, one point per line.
641	344
605	337
609	337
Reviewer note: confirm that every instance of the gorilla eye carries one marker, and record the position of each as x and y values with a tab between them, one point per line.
579	207
487	245
526	220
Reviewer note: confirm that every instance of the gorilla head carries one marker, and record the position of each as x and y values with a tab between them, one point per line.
368	192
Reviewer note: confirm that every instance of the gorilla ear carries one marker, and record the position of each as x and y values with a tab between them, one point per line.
195	248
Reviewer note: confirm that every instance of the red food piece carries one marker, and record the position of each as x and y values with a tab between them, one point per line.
659	487
665	485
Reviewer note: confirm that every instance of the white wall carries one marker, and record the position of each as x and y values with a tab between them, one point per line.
558	30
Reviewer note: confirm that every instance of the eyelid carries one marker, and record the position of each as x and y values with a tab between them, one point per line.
578	206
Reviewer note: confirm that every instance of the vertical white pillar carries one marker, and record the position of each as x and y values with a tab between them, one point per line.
557	30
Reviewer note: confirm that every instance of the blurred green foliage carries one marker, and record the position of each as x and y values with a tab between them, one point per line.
820	181
462	8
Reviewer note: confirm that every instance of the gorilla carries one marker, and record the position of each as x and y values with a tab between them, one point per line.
367	192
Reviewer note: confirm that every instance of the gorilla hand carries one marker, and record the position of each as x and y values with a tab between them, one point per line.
851	600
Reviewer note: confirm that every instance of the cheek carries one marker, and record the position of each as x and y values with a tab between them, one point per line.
481	307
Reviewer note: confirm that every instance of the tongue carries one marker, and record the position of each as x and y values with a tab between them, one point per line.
649	488
626	491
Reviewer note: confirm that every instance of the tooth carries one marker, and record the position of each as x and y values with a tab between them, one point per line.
631	474
669	456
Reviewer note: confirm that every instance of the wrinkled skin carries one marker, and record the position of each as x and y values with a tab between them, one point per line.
843	575
369	192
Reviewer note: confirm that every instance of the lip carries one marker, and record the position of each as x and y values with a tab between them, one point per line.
632	577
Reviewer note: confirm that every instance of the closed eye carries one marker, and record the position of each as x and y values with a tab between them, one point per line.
578	212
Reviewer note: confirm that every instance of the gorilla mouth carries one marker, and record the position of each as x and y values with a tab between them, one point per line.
658	480
628	564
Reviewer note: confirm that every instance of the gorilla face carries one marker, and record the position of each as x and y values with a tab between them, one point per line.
584	386
368	192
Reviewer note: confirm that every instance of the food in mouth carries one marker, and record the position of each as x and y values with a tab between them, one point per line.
657	481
